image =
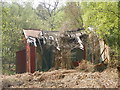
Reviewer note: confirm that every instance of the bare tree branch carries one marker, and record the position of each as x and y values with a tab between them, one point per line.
50	10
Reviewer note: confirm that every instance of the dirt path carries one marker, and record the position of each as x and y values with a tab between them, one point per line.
63	78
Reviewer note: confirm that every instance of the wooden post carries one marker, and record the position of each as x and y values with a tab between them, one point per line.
30	52
84	52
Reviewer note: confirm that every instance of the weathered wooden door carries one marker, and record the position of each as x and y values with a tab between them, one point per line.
21	61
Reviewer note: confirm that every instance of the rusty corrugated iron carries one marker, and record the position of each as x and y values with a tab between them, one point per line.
33	33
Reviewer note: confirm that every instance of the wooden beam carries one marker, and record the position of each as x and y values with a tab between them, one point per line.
30	52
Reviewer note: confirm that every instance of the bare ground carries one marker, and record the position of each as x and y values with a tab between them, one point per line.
63	78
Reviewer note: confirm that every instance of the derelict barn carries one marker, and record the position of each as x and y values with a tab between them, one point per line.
47	49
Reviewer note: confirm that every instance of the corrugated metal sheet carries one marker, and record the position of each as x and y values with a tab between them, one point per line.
33	33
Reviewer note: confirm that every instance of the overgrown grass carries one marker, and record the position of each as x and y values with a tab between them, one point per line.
87	66
113	63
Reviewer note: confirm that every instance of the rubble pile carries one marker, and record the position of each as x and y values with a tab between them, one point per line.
63	78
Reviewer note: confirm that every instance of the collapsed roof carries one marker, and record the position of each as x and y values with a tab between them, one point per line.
54	37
